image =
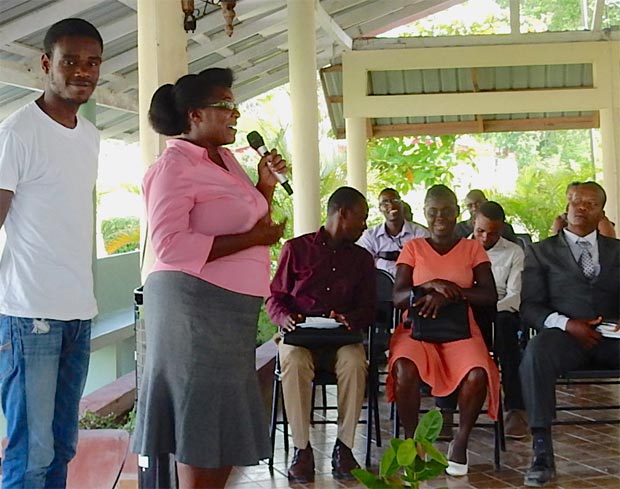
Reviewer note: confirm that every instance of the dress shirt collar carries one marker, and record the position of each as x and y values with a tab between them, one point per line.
322	237
190	149
572	238
406	229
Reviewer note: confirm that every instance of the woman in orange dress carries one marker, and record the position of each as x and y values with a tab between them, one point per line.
446	269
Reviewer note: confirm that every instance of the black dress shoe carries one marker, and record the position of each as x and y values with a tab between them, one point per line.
541	471
302	466
343	462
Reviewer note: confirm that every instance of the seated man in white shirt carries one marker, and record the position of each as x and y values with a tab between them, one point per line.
571	284
386	240
507	265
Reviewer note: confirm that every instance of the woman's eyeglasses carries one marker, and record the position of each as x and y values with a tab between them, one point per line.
224	104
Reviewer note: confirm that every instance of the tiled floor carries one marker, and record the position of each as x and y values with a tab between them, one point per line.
586	456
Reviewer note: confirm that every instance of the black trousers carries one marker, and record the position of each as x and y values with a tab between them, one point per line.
507	327
553	352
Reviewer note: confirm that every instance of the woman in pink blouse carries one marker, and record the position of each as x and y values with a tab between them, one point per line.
211	229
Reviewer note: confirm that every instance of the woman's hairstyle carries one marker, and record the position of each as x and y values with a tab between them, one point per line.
168	113
344	198
440	192
69	28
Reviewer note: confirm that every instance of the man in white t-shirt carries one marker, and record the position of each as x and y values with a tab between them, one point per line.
48	168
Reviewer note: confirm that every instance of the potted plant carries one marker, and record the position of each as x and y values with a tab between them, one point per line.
407	463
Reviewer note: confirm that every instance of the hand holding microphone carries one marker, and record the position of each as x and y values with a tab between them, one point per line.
276	165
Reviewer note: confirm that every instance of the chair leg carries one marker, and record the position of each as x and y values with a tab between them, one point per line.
369	421
274	417
324	400
496	445
500	422
284	425
377	421
312	403
396	422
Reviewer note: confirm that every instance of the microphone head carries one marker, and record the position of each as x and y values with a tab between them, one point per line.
255	140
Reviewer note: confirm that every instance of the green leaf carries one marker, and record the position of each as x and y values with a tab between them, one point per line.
406	452
434	453
431	470
369	479
429	426
388	465
395	443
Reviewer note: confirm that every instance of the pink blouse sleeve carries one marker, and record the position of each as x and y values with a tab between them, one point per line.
169	194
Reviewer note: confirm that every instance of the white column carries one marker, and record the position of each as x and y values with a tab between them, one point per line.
162	58
356	153
610	141
305	144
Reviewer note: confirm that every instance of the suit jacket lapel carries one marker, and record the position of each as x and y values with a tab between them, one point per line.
568	255
605	254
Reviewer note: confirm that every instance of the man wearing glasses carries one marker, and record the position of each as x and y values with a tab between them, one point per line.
386	240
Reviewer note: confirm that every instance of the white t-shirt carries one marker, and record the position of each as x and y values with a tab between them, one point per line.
46	266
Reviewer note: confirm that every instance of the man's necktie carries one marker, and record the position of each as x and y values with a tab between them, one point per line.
585	259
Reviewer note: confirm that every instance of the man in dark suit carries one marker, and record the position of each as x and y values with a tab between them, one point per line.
571	284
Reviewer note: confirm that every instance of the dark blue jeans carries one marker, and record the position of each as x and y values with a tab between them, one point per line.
43	368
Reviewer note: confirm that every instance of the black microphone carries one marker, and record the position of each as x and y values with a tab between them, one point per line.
258	143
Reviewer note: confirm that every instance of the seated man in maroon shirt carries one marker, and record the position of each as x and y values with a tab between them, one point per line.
325	274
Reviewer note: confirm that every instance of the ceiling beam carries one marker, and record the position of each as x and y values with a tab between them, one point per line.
485	126
396	18
38	18
373	11
331	27
132	4
119	28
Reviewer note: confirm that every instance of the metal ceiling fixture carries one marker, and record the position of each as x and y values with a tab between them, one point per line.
192	14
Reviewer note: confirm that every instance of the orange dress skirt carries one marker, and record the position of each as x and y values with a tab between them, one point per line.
444	365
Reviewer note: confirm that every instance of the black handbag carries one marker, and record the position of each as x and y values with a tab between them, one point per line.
451	324
319	337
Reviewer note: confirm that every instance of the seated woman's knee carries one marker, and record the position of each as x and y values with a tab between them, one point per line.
477	375
405	372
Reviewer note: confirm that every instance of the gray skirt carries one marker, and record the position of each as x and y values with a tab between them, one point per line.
199	397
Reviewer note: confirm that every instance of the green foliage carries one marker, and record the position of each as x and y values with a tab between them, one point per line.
402	162
121	234
93	421
548	161
266	329
410	461
540	195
